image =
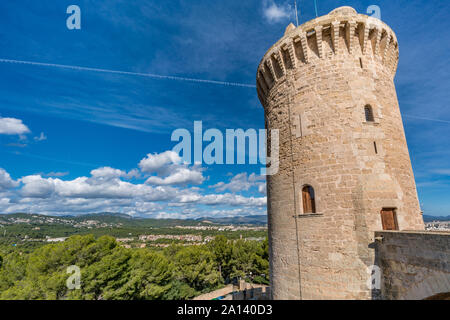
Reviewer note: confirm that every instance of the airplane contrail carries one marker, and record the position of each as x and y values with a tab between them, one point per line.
427	119
157	76
148	75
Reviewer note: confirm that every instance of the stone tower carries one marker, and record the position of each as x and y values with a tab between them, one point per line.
344	166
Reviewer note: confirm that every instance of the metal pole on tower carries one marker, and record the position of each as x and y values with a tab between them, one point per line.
296	12
315	6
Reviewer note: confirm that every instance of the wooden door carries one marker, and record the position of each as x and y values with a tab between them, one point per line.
389	219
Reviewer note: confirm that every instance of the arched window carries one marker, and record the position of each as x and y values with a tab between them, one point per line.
309	200
369	113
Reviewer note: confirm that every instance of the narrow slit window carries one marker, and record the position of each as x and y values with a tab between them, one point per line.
369	113
361	63
309	200
375	147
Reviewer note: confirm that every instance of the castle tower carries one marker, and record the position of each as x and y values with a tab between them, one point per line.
344	169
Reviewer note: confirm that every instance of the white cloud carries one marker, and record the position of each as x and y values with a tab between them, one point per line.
107	172
241	182
5	181
94	189
12	126
106	190
179	177
110	173
86	195
262	188
91	189
157	162
226	199
54	174
237	212
42	137
232	200
276	13
168	215
37	187
170	170
17	145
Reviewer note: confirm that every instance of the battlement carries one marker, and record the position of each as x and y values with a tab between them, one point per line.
343	33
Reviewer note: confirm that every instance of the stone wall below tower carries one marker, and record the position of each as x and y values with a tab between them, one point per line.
414	265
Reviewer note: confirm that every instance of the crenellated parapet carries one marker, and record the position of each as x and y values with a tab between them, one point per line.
343	33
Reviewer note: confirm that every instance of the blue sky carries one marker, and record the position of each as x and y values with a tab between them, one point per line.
65	124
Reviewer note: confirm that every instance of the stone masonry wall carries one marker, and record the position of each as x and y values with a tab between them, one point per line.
414	265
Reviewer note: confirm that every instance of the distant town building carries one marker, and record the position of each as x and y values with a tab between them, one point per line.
56	239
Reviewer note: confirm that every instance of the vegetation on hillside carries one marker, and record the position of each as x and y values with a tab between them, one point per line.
36	227
110	271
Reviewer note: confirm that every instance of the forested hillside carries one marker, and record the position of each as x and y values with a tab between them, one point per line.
110	271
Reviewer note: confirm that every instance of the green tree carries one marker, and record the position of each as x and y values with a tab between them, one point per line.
261	263
222	250
196	267
180	290
13	271
242	258
150	276
105	279
109	271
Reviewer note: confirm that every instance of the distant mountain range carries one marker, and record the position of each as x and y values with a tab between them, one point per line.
258	220
427	218
242	220
124	219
